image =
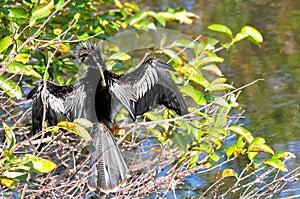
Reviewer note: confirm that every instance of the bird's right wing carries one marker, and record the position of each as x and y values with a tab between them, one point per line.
58	100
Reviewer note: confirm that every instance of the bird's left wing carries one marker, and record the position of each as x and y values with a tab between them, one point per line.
148	85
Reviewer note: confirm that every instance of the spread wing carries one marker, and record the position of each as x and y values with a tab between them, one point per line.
59	100
148	85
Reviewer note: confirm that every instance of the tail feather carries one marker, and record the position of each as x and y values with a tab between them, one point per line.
108	167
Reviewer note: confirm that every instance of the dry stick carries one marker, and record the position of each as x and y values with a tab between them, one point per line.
31	38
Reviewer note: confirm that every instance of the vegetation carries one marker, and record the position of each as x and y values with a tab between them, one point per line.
37	38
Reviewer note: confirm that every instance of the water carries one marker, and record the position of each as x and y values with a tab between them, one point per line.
273	105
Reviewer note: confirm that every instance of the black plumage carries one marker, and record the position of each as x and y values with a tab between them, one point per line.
99	97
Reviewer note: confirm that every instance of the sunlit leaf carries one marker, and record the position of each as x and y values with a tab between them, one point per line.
10	137
282	155
173	55
41	12
230	150
216	158
83	122
220	28
8	183
180	141
193	160
252	155
18	12
77	129
220	87
13	174
132	6
195	94
18	68
155	117
240	131
40	164
193	75
240	36
276	163
183	43
258	145
158	135
229	173
137	17
120	56
157	17
11	87
4	43
213	69
253	33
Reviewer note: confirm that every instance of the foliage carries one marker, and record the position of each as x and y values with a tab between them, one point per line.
37	38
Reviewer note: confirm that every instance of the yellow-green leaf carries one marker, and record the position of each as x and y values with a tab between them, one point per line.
8	183
40	164
41	12
253	33
213	69
276	163
228	173
137	17
10	136
180	141
258	145
282	154
83	122
77	129
220	28
240	131
18	68
195	94
4	43
12	174
11	87
120	56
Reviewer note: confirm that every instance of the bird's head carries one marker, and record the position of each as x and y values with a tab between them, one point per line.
89	53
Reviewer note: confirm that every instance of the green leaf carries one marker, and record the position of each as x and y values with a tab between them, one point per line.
83	122
120	56
220	28
220	87
193	75
195	94
155	117
10	137
216	158
18	12
11	87
180	141
282	154
4	43
157	17
252	155
230	150
173	55
137	17
13	174
18	68
258	145
240	36
276	163
183	43
38	13
240	131
77	129
213	69
253	33
40	164
193	160
228	173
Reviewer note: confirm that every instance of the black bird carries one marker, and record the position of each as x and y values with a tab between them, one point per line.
99	97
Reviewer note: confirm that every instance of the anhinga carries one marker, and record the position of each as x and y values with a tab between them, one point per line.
99	97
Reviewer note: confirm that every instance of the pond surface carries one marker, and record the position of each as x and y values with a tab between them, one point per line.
273	105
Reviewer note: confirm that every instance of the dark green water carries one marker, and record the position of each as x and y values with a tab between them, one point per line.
273	105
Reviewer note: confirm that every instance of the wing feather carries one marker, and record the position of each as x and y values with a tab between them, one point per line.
148	85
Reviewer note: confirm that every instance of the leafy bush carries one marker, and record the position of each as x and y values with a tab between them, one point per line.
37	38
